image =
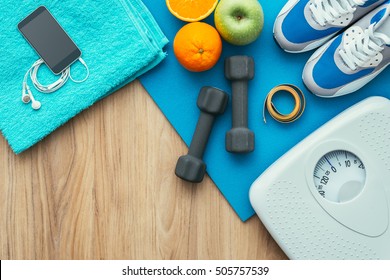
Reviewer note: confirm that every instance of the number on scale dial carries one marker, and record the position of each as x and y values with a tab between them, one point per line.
339	176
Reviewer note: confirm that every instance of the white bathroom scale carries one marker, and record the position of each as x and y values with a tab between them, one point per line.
329	196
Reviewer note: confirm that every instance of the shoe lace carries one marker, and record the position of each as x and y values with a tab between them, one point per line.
363	48
328	10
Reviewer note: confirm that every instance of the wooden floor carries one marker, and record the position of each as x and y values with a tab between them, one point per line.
103	187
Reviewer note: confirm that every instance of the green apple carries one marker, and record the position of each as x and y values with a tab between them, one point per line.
239	22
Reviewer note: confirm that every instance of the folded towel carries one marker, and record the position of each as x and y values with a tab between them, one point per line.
119	40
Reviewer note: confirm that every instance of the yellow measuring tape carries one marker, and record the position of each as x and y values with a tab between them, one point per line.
299	100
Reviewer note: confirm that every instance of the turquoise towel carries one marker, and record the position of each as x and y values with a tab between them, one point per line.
119	40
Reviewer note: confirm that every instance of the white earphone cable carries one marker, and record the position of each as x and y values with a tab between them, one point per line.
33	73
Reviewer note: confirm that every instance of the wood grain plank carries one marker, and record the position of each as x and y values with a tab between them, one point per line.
103	187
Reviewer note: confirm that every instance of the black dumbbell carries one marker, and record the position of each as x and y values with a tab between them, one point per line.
211	102
239	70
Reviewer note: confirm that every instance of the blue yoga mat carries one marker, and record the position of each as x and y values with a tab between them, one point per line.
175	91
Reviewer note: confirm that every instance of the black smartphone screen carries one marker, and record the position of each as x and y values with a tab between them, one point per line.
49	40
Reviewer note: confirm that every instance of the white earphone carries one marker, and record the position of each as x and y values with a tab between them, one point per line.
27	95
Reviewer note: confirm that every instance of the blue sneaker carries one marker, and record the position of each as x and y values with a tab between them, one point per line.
353	58
303	25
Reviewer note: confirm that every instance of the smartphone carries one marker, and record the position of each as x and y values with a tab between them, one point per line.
49	40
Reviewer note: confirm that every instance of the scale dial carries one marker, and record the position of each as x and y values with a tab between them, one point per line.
339	176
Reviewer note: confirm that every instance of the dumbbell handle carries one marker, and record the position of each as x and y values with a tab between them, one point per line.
240	103
201	135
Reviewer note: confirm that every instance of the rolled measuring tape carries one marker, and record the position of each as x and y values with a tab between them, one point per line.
296	113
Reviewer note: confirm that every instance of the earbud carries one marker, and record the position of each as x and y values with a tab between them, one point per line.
25	97
35	104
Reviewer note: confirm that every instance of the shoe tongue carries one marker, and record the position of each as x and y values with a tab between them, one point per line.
382	26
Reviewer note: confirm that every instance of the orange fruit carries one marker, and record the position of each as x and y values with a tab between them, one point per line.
191	10
197	46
